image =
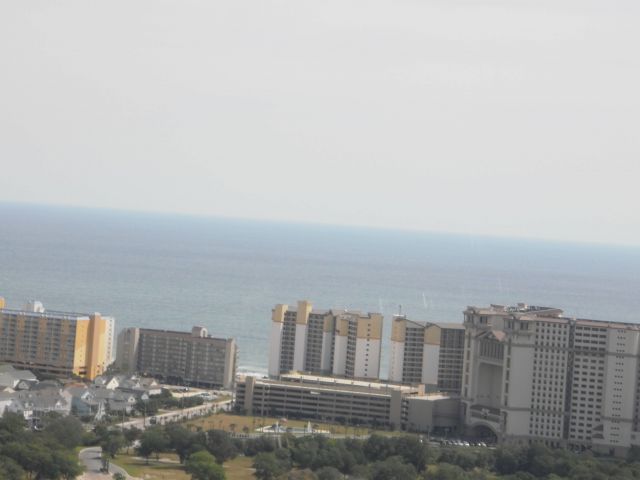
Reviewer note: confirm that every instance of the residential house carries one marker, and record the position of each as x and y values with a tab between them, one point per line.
16	379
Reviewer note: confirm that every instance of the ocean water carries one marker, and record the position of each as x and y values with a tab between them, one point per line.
173	272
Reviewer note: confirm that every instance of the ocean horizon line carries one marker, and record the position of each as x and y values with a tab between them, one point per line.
360	228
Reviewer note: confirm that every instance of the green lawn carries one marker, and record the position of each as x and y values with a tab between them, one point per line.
156	470
229	422
239	469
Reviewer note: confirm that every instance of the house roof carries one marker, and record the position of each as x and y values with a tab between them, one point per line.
9	376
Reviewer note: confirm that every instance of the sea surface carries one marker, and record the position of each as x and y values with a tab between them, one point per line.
173	272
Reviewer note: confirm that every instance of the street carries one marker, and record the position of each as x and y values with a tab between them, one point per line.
91	460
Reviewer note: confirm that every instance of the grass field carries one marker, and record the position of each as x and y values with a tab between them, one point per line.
237	469
156	470
237	423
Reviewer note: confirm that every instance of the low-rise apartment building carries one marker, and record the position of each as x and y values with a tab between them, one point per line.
348	401
328	342
533	374
61	343
183	358
428	353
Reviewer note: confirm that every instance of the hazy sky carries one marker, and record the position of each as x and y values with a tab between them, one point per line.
505	117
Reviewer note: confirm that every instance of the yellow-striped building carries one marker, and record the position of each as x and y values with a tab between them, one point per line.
331	342
54	342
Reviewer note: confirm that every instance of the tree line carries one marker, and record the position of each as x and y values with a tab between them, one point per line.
34	455
402	457
48	453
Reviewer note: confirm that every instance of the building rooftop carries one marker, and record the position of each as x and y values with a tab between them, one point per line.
47	314
332	383
606	324
520	308
188	334
549	315
452	325
334	311
10	377
403	318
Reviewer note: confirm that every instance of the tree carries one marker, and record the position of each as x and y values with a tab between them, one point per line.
463	458
221	446
147	407
305	452
10	470
305	474
12	423
283	455
203	466
66	431
153	440
42	461
182	441
113	442
253	446
32	457
131	435
413	451
360	472
540	460
267	466
105	460
64	464
506	461
378	448
330	455
393	468
634	454
446	471
329	473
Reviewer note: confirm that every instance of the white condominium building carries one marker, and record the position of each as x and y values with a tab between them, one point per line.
428	353
344	343
530	373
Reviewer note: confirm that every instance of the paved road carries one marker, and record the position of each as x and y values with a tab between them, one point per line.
91	459
175	415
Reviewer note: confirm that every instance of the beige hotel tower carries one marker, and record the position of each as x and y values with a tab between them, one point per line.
428	353
334	342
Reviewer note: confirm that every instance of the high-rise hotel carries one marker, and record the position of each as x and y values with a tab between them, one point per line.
334	342
194	358
531	373
61	343
428	353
